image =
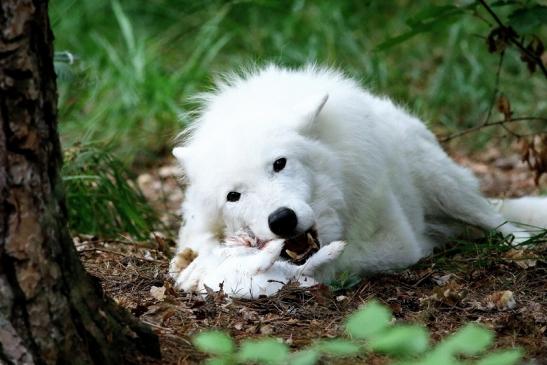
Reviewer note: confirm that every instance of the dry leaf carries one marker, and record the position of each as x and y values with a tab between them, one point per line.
158	293
450	293
504	106
441	280
521	257
534	153
536	312
501	300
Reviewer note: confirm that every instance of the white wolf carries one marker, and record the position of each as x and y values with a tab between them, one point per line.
310	157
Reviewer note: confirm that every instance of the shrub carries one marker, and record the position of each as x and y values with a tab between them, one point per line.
369	330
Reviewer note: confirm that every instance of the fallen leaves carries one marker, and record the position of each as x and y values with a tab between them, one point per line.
501	300
450	293
521	257
534	153
298	316
504	107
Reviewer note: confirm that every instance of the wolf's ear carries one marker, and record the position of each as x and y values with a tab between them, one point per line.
309	109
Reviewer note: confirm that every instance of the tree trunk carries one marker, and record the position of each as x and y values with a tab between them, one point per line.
51	311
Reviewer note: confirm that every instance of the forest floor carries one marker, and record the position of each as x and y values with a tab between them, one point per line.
471	282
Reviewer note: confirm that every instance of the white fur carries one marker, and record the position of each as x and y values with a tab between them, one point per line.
530	211
359	168
249	272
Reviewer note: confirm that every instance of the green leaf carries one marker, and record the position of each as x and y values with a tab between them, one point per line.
528	20
431	19
369	320
434	357
214	342
501	3
433	12
267	351
469	340
338	347
305	357
401	340
506	357
345	280
219	361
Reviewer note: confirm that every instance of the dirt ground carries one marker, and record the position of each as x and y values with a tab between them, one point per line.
494	287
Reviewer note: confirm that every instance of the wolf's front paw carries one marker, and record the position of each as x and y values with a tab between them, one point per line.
334	249
190	278
325	255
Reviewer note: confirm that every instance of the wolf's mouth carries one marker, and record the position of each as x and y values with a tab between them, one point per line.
300	248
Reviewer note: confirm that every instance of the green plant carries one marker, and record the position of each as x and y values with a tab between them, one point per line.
101	197
344	281
513	25
487	250
369	330
138	62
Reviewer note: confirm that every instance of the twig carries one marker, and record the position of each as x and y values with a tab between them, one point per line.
511	132
491	124
496	89
514	39
479	16
494	15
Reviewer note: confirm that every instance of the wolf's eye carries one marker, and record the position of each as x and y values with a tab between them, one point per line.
279	164
233	196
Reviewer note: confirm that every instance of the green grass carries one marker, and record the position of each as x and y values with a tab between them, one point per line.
101	198
487	251
139	61
136	63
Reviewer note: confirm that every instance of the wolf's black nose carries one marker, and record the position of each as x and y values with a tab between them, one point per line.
283	222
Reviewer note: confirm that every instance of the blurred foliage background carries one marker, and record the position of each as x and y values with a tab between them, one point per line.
128	67
138	61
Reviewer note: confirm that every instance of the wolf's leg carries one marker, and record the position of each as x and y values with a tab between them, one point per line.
230	263
453	191
189	278
189	250
326	254
394	243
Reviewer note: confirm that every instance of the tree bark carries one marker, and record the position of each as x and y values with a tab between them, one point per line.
51	311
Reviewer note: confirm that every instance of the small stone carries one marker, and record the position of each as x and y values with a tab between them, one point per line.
158	293
341	298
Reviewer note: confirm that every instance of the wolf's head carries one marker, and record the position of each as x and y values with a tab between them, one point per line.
263	173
